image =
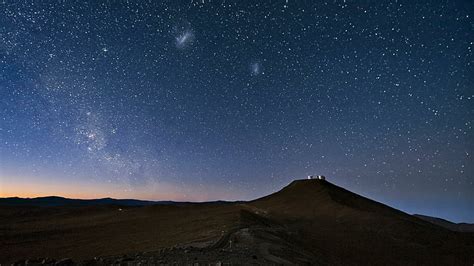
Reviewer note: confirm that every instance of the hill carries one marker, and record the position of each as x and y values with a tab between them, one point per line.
346	227
307	222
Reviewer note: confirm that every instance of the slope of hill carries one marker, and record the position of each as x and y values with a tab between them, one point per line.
343	225
307	222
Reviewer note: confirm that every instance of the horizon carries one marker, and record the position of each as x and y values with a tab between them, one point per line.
231	100
413	212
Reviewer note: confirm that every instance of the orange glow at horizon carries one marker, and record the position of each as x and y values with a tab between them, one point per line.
31	188
27	187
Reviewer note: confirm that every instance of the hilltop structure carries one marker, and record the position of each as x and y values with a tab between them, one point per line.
320	177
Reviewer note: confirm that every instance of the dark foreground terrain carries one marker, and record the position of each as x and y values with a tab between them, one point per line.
308	222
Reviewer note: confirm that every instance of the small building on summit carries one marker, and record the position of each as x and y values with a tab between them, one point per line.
320	177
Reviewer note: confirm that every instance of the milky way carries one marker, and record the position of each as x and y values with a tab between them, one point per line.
205	100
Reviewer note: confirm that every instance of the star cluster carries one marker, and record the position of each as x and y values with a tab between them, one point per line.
204	100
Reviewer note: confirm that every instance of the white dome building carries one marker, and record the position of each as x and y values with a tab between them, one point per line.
320	177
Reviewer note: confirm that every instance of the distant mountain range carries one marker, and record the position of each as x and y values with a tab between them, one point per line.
459	227
55	201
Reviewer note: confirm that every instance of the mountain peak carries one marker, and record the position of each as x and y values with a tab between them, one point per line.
309	197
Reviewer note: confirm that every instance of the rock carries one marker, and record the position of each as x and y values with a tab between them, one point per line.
33	261
48	261
64	262
20	262
124	260
89	262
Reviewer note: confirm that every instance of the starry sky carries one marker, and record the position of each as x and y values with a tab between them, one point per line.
205	100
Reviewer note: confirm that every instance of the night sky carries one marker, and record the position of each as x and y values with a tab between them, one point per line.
205	100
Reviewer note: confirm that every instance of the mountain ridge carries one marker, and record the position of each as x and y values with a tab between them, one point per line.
458	227
56	201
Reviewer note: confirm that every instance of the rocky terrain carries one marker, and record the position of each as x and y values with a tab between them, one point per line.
309	222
